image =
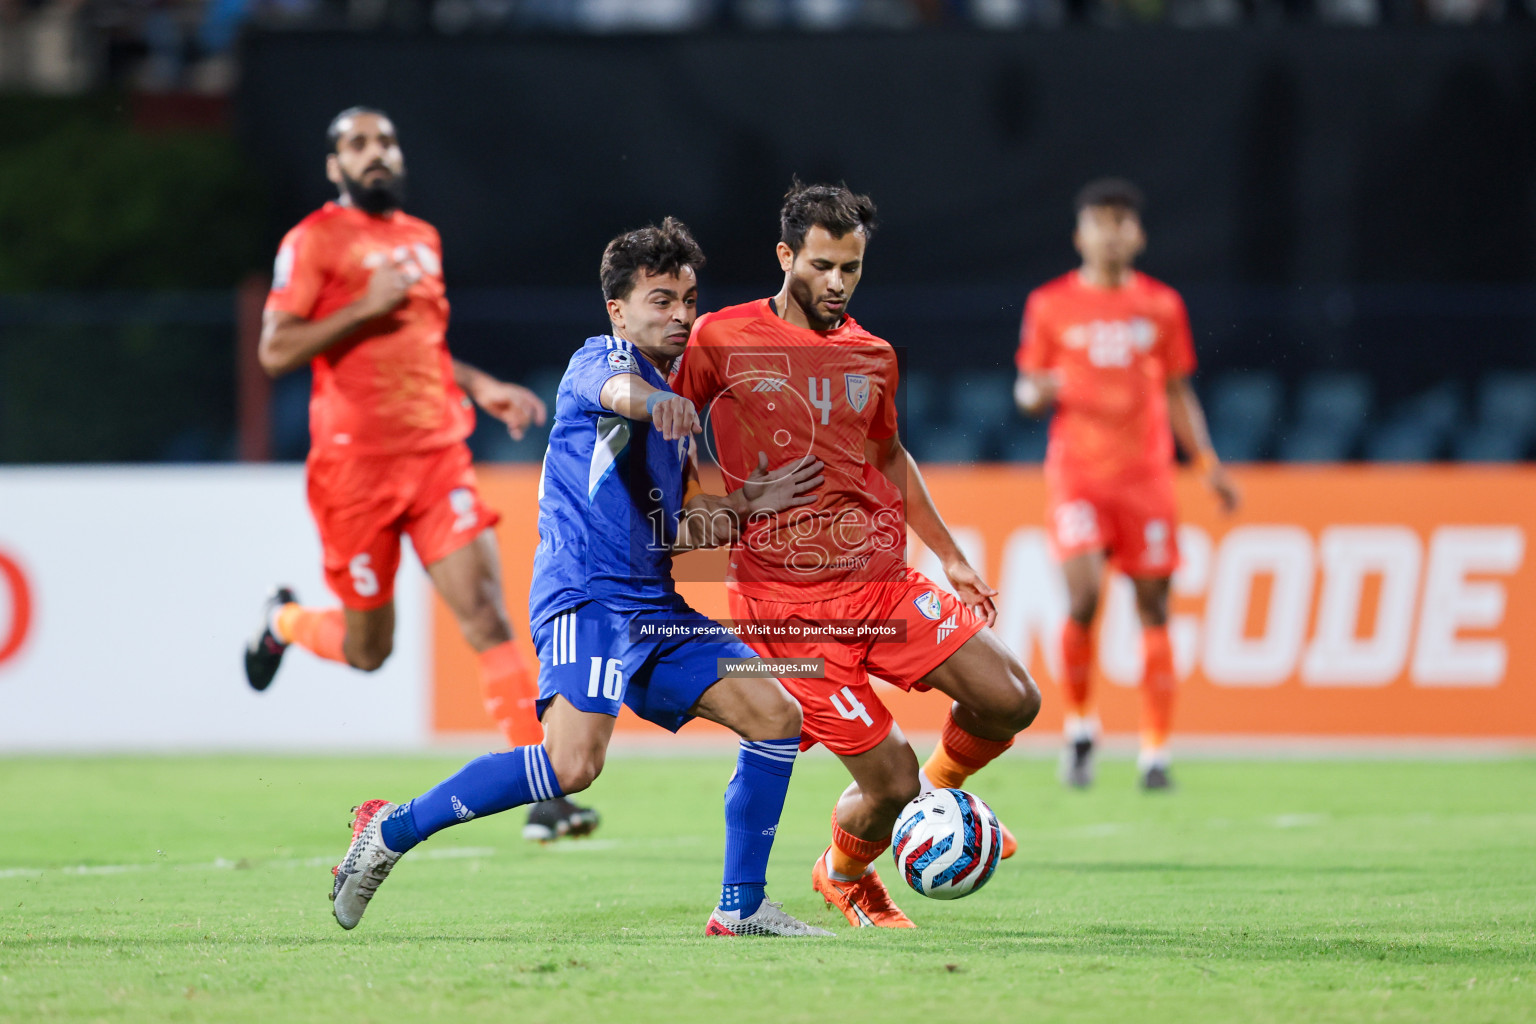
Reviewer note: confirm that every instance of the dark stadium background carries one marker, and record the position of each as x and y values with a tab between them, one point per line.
1349	209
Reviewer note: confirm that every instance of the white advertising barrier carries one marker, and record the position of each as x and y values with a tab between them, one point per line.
126	598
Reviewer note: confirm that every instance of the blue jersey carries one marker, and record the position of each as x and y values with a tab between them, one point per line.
609	495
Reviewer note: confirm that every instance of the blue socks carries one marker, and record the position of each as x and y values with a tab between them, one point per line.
487	785
754	799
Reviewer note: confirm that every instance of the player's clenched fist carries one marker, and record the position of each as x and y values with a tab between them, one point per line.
673	415
388	287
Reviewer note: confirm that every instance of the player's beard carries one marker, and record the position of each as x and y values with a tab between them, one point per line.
383	196
801	293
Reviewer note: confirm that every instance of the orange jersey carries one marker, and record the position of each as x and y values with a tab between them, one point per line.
388	388
1114	351
769	386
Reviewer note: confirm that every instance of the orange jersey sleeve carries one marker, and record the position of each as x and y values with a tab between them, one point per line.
883	425
1178	343
1035	336
298	273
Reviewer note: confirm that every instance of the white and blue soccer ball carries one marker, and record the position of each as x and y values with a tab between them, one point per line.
946	844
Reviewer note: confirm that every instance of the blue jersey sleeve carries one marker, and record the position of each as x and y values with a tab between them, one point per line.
592	368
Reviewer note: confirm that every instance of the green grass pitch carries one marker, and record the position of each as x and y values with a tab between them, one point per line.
195	889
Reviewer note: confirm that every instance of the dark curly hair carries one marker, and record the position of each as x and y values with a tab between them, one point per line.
663	250
1110	192
834	207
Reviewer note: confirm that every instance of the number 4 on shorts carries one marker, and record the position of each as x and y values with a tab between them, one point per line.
853	710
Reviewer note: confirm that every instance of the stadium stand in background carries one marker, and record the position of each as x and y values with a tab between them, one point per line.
1293	368
70	46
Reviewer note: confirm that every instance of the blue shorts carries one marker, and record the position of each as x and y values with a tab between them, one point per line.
598	659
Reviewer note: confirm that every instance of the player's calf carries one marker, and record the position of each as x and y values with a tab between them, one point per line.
768	719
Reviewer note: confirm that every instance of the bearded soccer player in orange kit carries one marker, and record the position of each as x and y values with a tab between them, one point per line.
1110	349
358	295
796	377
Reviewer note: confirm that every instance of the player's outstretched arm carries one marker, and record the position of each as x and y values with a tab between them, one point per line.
289	341
513	404
1187	419
631	397
891	457
1035	393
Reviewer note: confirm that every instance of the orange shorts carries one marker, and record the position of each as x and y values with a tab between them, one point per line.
1136	524
842	711
363	503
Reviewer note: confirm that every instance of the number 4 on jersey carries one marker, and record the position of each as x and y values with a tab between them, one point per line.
824	403
854	709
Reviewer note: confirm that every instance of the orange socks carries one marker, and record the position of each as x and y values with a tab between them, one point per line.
1076	662
851	856
511	692
1157	688
960	755
318	630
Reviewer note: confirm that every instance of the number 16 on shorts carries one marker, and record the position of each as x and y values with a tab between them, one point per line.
610	681
850	707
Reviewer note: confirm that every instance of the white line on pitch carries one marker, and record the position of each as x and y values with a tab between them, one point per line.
225	864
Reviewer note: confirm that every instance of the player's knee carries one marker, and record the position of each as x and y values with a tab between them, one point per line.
485	625
1083	605
780	721
576	770
1026	703
369	656
1016	707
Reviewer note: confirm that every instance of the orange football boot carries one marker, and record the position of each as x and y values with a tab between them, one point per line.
1009	844
865	903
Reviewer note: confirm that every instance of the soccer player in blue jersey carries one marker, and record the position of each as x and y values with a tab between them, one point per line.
617	495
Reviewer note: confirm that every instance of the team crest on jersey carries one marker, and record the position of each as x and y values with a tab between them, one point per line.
618	359
928	603
858	390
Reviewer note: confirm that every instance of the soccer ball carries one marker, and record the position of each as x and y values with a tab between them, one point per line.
946	844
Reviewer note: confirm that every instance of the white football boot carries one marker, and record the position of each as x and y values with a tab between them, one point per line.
366	865
769	919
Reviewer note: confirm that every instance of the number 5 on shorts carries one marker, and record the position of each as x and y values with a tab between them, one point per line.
364	580
853	710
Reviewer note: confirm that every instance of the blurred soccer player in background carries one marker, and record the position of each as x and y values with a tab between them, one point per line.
842	560
358	296
1109	350
618	494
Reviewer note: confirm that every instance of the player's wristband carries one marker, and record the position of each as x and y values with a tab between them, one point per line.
654	399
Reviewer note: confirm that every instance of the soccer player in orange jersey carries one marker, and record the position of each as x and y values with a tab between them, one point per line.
1109	349
358	296
796	377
